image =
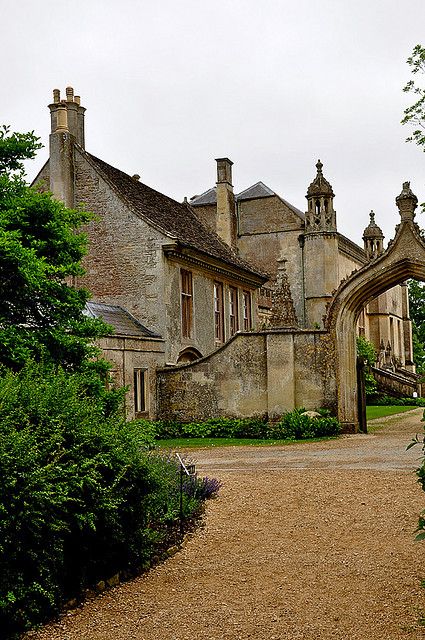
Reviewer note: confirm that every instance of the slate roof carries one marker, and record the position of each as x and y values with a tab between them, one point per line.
123	322
257	190
175	219
208	197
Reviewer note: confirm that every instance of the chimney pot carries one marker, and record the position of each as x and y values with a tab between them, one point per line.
70	94
77	99
56	95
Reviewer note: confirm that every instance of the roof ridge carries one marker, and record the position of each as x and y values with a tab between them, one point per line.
256	184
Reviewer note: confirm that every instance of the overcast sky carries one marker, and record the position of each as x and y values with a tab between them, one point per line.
169	85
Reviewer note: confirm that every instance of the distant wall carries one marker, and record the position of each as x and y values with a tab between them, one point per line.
258	373
396	385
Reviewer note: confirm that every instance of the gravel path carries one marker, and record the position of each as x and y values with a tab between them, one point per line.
312	541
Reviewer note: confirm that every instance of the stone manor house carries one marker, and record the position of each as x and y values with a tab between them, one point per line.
179	282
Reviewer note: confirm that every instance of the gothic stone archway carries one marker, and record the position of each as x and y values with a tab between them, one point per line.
403	259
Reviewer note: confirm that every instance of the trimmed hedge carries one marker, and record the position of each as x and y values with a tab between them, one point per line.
83	497
384	400
294	425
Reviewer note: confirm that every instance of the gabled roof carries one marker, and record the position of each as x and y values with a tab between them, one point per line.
176	220
208	197
257	190
123	322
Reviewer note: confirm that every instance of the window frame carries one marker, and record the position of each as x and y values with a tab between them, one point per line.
140	400
186	300
219	333
247	310
233	310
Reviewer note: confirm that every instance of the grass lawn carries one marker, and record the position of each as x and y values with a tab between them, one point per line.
199	443
373	412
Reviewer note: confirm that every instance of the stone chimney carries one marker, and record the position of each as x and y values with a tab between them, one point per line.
226	215
67	128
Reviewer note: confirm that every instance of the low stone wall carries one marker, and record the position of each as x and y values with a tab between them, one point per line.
256	373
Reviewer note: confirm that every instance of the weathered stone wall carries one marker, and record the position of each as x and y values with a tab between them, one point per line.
127	354
268	231
258	373
124	265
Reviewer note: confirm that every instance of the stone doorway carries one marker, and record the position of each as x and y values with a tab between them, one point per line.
403	259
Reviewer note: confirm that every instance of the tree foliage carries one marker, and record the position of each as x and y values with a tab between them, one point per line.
415	114
367	352
417	315
82	497
41	248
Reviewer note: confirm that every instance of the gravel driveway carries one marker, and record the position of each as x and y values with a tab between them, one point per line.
310	541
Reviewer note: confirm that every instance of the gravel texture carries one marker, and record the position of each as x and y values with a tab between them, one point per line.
312	541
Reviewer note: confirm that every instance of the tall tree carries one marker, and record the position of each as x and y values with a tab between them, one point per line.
41	247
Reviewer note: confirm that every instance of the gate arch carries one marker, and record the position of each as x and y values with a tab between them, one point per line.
404	258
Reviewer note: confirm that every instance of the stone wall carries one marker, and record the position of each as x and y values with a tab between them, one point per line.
257	373
396	385
128	354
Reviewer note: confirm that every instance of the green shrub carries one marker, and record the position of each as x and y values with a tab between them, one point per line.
255	427
297	425
384	400
82	496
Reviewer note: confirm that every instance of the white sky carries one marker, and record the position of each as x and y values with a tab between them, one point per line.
169	85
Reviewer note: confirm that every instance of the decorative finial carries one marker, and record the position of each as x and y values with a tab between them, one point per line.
372	216
407	202
319	166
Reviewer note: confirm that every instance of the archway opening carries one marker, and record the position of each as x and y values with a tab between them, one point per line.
404	259
190	354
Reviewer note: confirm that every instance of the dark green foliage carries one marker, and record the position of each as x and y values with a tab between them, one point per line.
292	425
384	400
40	251
417	315
420	472
82	497
366	351
296	425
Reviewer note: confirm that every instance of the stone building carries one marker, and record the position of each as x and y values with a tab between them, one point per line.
178	281
149	257
305	253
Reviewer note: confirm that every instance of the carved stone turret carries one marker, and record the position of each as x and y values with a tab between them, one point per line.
373	238
320	215
321	254
407	203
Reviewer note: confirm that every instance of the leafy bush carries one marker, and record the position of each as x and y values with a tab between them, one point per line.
293	426
82	495
297	425
214	428
384	400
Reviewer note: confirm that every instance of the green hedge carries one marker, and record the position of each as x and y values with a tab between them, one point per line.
384	400
82	496
292	425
